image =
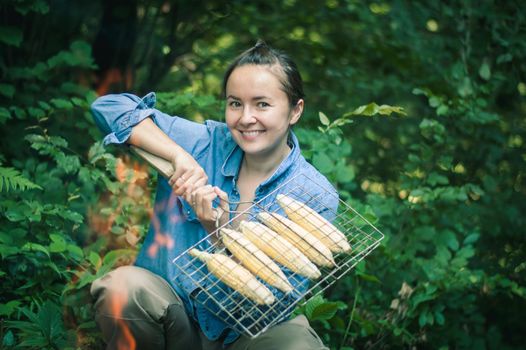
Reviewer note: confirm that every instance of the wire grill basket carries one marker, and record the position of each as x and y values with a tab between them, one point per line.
242	313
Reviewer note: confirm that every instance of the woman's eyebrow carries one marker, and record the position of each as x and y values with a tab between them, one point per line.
255	98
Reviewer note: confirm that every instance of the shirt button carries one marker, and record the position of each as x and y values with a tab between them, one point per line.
188	212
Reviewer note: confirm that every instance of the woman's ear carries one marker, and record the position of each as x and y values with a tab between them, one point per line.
296	112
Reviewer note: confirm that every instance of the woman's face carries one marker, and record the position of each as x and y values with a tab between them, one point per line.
258	111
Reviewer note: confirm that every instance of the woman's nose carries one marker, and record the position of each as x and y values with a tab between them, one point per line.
248	116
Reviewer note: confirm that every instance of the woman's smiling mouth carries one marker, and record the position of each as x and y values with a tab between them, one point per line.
251	134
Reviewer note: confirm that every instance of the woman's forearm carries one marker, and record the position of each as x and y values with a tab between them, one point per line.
148	136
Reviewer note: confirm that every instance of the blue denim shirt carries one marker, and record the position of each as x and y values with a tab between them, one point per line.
175	227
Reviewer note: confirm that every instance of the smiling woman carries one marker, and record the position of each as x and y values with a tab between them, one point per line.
241	161
259	115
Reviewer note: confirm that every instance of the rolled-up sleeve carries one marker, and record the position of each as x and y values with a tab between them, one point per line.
116	114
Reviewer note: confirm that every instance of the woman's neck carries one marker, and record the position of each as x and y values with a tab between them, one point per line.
263	167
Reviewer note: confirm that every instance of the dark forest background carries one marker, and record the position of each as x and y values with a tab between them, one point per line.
444	180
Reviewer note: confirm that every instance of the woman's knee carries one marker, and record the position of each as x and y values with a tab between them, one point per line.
294	339
131	291
292	335
121	281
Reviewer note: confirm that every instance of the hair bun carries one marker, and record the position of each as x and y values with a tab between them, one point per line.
261	44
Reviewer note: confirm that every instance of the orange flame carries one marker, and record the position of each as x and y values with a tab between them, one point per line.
160	239
112	77
133	177
118	301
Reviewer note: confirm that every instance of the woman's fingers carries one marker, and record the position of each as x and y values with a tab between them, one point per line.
223	198
184	183
201	200
197	195
191	189
221	218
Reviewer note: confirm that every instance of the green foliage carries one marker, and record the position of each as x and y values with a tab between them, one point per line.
11	179
439	167
319	309
44	330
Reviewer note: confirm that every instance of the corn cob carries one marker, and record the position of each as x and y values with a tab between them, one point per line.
255	260
235	276
279	249
307	243
313	222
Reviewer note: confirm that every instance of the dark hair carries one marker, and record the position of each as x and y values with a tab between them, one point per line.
262	54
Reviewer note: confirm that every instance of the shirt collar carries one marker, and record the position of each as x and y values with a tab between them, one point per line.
235	156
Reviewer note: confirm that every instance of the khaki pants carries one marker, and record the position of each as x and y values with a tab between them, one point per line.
136	308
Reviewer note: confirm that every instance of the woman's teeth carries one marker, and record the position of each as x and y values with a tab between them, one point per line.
252	133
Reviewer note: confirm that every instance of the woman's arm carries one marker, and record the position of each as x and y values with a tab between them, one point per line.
126	118
188	174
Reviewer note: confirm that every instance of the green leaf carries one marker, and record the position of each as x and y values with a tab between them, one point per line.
75	251
79	102
485	71
11	179
7	90
368	277
38	6
465	253
504	58
312	304
419	91
72	216
19	112
323	119
472	238
465	88
345	174
70	164
9	339
4	115
11	36
439	317
95	260
323	163
434	101
36	112
8	308
442	110
49	319
29	246
61	103
44	105
450	239
373	109
58	244
436	179
326	311
422	319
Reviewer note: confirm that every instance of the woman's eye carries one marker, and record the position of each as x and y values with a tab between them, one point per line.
234	104
263	105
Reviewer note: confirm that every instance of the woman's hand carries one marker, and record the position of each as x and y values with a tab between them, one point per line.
188	174
201	200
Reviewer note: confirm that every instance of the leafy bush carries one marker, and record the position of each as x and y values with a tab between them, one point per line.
445	183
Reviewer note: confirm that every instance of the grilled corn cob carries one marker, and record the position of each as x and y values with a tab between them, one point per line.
279	249
255	260
307	243
235	276
313	222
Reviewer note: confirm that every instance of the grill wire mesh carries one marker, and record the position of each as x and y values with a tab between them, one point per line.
241	313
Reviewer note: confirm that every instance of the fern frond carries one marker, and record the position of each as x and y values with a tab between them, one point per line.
11	179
